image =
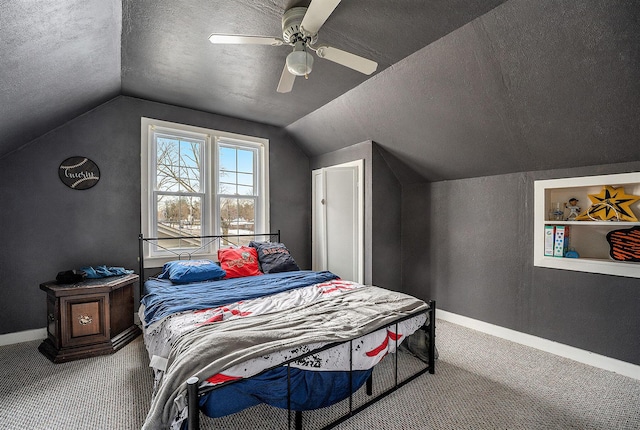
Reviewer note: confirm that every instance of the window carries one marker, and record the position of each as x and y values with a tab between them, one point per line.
199	182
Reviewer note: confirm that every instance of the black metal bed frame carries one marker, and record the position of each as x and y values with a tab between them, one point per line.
194	391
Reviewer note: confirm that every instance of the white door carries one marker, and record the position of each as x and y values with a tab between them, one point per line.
337	220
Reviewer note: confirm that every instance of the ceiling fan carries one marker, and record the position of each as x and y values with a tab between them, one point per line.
300	27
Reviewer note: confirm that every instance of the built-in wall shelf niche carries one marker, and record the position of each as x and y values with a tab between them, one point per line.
588	238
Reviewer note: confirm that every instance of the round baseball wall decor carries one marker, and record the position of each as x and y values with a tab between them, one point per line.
79	173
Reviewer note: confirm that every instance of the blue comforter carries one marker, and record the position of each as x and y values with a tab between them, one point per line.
164	298
309	390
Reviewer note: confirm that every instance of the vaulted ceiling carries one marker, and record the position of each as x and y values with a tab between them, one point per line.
463	88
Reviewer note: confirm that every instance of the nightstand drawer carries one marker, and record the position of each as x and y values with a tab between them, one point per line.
84	319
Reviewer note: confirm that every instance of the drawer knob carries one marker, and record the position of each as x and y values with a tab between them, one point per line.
51	317
85	319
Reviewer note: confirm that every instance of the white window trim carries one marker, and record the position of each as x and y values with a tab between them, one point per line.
213	139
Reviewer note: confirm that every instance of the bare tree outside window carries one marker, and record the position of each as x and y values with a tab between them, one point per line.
179	195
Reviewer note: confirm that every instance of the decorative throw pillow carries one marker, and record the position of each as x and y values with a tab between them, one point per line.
239	262
185	271
274	257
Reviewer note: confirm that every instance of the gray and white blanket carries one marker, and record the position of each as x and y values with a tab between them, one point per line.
212	348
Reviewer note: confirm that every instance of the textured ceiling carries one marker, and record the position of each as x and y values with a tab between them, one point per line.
166	55
61	58
58	59
528	86
463	88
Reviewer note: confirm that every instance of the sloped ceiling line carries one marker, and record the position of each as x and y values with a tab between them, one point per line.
158	50
526	86
506	93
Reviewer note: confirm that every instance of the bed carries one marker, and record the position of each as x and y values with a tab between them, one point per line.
252	328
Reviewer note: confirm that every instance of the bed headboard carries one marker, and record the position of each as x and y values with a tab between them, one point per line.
197	244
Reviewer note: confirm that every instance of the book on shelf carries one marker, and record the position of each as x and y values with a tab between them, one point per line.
549	240
561	241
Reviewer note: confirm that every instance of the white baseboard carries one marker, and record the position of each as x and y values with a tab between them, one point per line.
576	354
36	334
23	336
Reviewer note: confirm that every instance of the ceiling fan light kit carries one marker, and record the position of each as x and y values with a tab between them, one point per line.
300	26
299	62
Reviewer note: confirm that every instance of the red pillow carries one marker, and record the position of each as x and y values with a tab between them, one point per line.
239	262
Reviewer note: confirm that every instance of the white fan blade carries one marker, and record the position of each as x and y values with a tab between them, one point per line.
347	59
286	81
317	14
239	39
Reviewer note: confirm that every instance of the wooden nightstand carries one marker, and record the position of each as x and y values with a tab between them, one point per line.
90	318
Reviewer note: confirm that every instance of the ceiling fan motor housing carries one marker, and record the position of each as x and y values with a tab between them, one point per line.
291	32
300	27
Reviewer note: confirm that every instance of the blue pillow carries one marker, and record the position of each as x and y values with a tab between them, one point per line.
185	271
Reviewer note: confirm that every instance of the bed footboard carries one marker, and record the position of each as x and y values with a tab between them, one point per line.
193	392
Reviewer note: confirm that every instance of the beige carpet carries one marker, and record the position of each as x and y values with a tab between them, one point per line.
481	382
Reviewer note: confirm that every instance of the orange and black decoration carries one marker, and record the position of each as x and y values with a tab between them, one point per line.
625	244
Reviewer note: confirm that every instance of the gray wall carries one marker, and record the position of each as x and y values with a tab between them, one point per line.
416	239
386	205
477	255
382	212
47	227
466	243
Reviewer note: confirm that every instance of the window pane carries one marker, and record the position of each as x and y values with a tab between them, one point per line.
245	191
227	158
228	189
191	180
245	179
245	161
226	178
236	174
178	216
237	216
178	164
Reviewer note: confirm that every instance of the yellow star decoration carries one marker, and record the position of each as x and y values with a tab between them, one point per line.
611	203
